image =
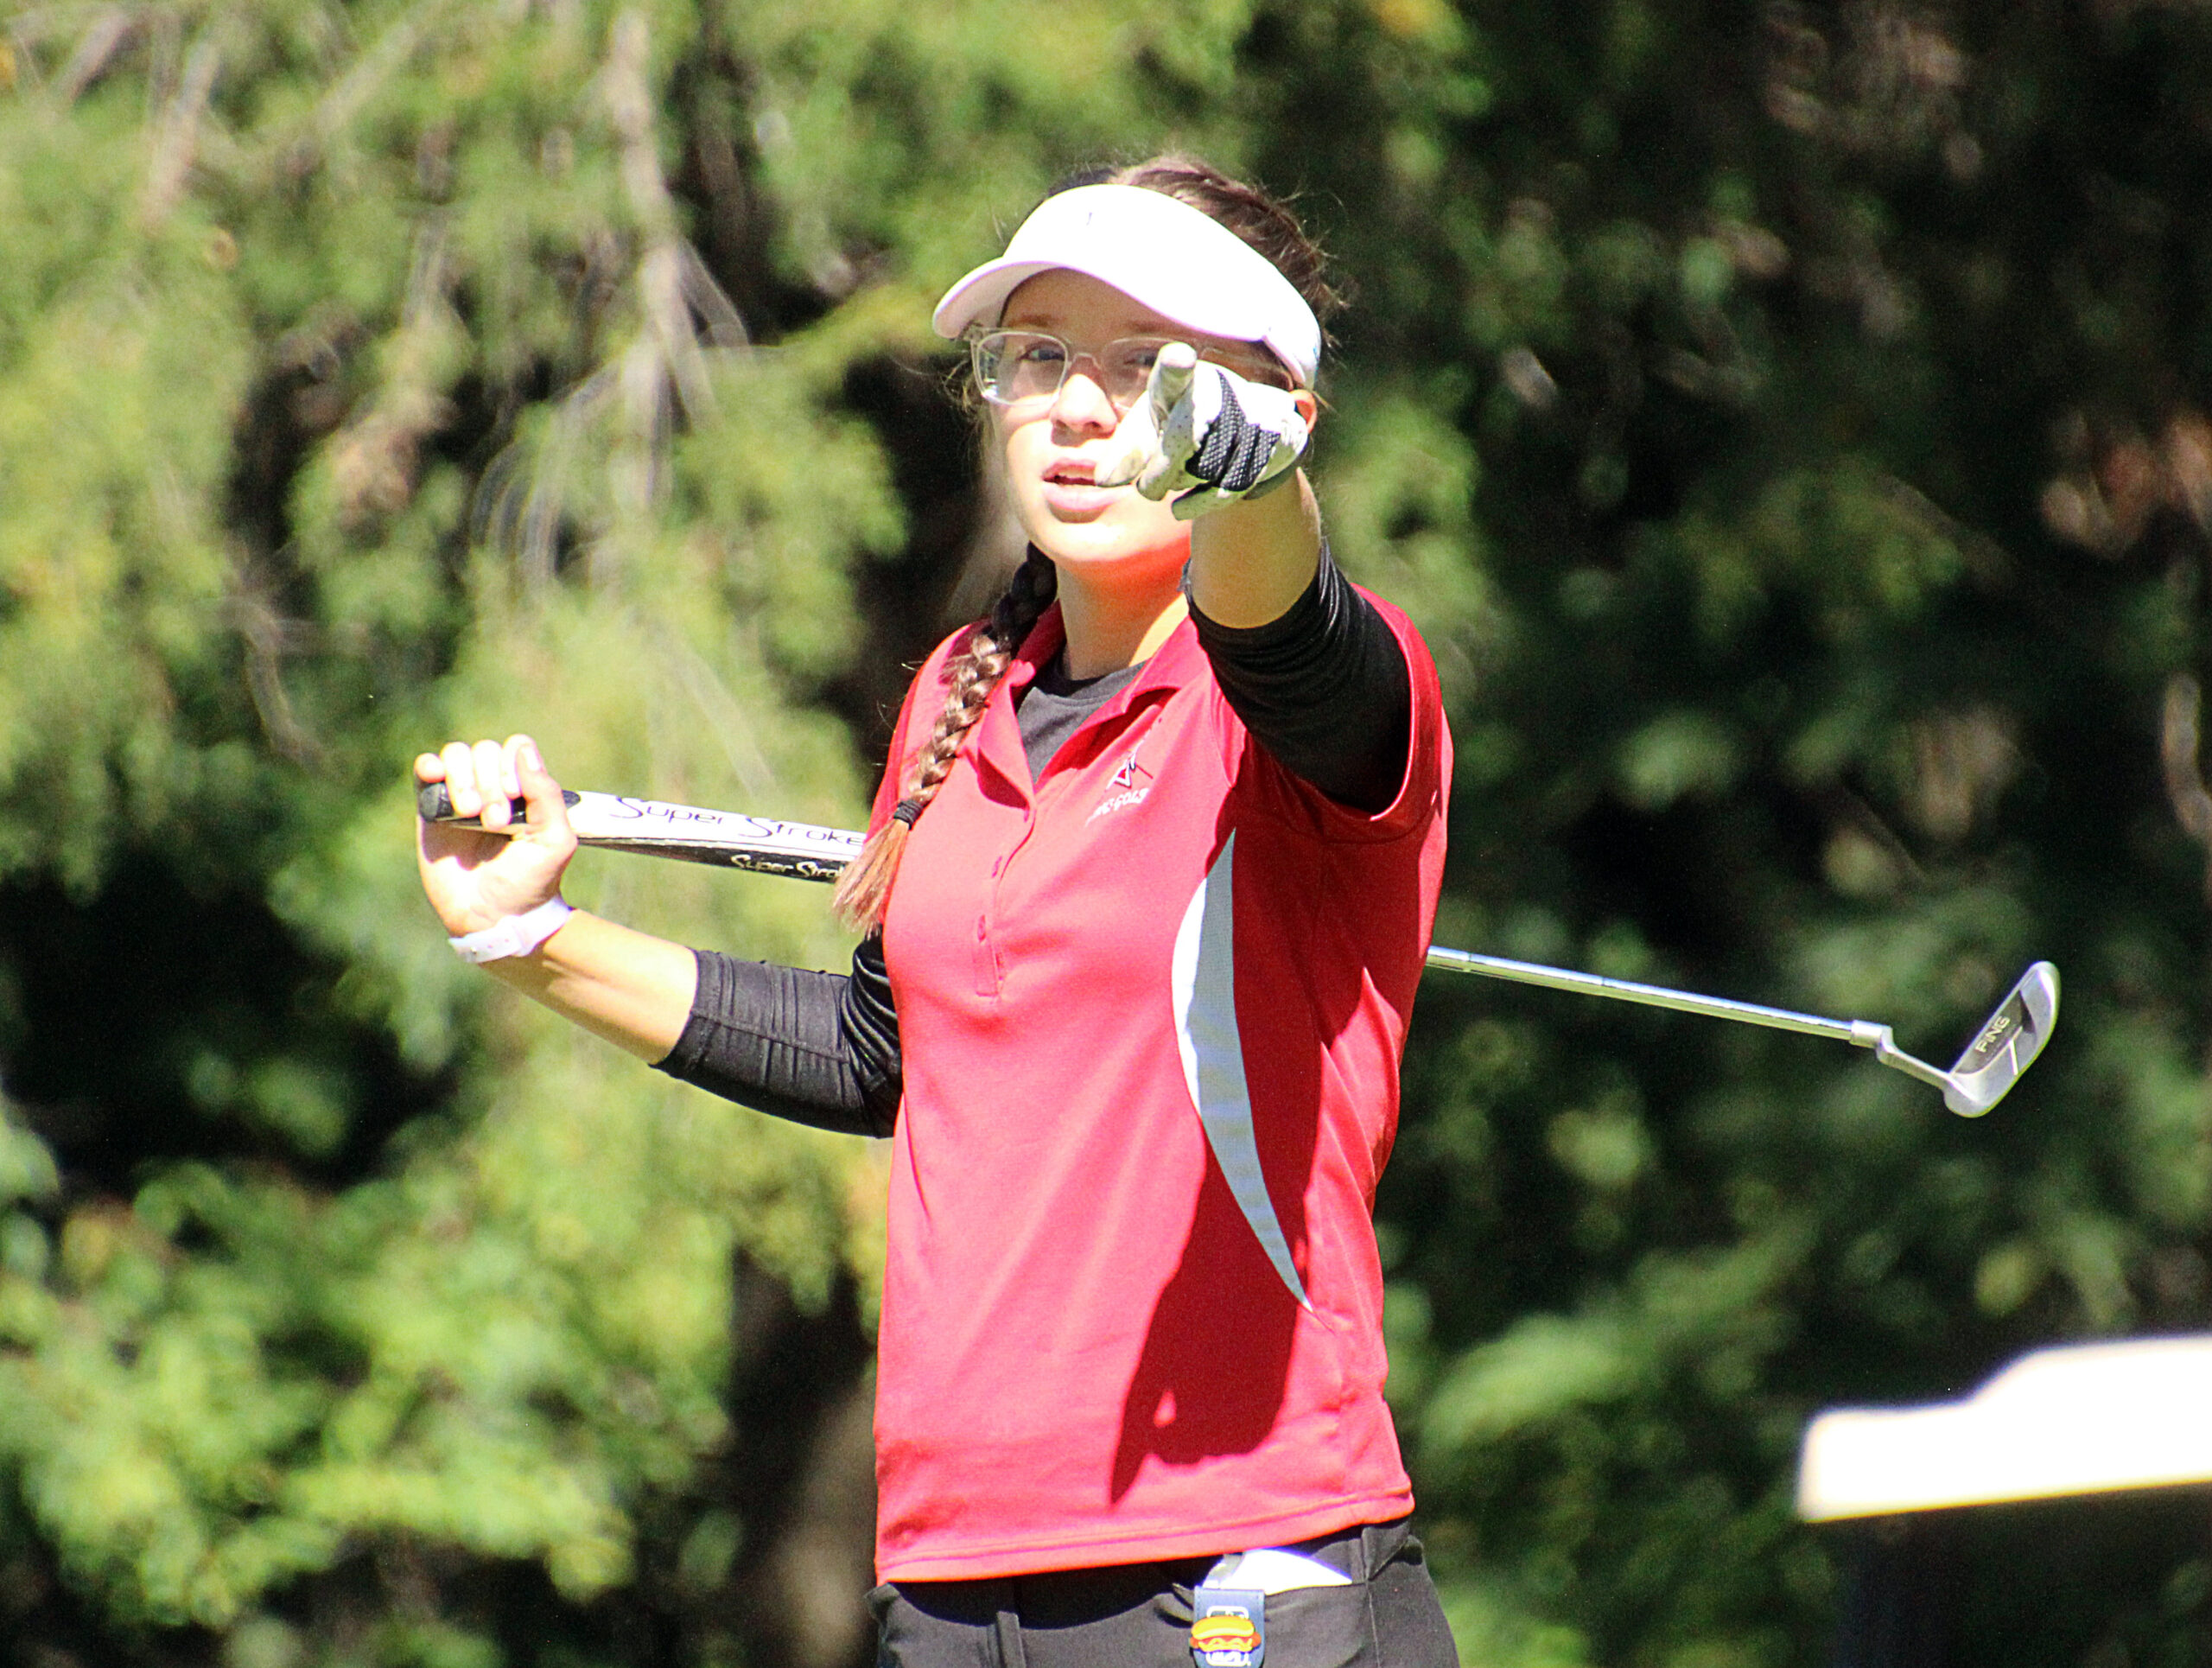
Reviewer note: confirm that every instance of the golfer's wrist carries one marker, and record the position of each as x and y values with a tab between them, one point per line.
512	937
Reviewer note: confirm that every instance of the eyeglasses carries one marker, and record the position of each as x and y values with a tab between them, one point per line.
1015	366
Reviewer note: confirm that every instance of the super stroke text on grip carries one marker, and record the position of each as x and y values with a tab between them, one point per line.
765	828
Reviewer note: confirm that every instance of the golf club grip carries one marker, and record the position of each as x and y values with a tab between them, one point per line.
653	828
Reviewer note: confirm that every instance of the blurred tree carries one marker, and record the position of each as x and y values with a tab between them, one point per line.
1788	422
362	386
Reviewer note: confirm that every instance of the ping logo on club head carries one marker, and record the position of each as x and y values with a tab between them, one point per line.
2004	1028
1997	1029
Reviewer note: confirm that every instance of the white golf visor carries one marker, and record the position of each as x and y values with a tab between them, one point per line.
1177	260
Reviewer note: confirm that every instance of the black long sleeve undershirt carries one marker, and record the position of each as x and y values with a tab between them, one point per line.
818	1048
1324	688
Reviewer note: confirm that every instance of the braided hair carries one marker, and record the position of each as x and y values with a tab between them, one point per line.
864	889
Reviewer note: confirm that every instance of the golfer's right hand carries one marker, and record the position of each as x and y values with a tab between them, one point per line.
1205	436
474	879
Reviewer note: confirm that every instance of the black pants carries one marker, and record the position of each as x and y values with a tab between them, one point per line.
1138	1615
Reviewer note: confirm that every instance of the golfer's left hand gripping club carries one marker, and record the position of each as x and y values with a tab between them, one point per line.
2009	1040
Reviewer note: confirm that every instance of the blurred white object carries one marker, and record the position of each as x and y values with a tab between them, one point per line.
1273	1569
2079	1419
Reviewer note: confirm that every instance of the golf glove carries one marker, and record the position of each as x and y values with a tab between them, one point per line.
1207	435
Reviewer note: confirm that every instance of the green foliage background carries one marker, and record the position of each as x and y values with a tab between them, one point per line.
1784	420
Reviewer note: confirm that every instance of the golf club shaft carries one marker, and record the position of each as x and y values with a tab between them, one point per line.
796	850
1863	1033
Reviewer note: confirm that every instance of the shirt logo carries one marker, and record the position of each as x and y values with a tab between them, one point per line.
1126	786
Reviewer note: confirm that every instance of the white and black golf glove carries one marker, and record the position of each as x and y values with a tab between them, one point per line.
1207	434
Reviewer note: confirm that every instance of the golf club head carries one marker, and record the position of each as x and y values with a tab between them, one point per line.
2008	1041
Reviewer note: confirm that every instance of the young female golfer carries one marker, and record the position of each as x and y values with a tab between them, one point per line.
1147	891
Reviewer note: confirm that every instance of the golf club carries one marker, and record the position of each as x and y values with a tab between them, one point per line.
2004	1047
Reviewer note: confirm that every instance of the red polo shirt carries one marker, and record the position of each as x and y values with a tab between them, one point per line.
1150	1009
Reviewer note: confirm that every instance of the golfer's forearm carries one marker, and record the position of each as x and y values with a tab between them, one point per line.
631	988
1324	688
817	1048
1251	561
